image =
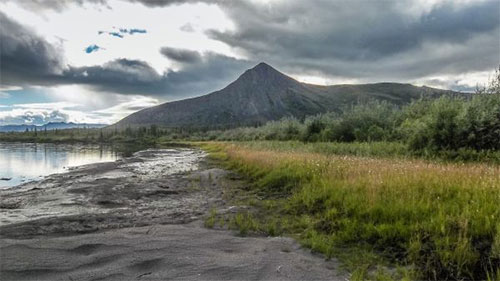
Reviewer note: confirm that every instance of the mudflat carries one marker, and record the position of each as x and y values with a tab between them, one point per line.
138	218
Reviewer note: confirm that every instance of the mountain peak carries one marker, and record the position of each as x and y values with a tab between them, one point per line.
263	66
264	69
263	73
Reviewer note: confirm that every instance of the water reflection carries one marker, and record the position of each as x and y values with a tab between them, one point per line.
22	162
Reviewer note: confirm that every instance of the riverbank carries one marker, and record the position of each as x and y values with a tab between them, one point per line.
139	217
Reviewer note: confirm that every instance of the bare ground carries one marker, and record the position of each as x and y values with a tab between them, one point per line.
138	218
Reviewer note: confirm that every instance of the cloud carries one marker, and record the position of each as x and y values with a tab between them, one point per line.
164	3
187	28
378	40
128	107
134	77
46	105
35	116
28	60
180	55
56	5
368	41
132	31
362	41
92	48
213	71
25	56
42	113
122	31
119	76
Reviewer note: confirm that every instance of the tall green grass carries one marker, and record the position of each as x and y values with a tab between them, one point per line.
381	149
436	220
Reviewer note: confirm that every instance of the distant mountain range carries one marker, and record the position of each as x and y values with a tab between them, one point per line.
49	126
262	94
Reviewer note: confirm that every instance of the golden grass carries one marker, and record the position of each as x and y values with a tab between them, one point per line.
441	218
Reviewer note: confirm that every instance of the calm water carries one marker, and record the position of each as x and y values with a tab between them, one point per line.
23	162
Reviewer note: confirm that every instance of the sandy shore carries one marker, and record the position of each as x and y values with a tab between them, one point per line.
138	218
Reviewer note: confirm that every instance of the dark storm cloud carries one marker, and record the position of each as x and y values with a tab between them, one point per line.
376	39
121	75
181	55
28	59
212	71
24	56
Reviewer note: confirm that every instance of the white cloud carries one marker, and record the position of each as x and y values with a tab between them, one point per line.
137	103
9	88
85	98
41	113
48	105
121	110
466	82
31	116
323	80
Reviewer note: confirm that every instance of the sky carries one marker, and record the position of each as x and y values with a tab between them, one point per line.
96	61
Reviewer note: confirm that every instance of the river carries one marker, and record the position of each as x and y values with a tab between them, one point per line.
24	162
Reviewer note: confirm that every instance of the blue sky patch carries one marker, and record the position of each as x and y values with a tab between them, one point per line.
116	34
122	32
92	48
132	30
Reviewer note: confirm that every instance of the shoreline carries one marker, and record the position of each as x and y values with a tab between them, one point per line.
139	217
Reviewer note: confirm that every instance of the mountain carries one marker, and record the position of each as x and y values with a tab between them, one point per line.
49	126
71	125
262	94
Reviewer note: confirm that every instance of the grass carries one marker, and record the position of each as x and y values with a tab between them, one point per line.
211	219
431	220
377	149
244	223
381	149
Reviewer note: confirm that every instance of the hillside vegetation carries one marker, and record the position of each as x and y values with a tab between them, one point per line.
450	128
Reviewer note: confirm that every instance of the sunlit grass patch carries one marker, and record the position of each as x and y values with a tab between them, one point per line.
437	220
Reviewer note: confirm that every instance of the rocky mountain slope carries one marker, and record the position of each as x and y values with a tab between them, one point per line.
262	94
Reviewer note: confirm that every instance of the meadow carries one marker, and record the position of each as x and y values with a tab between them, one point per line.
385	218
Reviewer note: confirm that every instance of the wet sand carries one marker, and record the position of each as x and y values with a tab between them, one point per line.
138	218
